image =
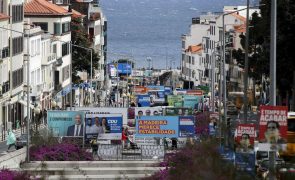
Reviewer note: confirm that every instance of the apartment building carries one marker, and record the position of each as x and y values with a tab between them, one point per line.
56	21
11	63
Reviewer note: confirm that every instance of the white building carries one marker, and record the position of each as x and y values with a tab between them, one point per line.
11	63
55	20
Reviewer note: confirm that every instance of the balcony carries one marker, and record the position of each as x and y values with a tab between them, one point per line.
51	58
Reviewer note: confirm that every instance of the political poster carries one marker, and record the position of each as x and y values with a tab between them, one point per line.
157	94
245	162
148	111
140	90
273	127
143	100
186	126
66	123
105	111
167	90
173	111
102	126
191	101
157	126
245	135
175	100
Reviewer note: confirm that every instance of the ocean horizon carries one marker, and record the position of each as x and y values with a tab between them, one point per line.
142	29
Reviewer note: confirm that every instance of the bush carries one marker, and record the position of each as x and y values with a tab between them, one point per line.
201	161
59	152
6	174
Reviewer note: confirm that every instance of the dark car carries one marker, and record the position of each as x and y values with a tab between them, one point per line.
21	141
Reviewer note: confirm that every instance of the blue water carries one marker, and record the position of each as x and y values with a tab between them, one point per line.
140	29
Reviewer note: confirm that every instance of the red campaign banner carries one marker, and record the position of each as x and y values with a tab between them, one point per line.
273	124
140	90
194	92
246	131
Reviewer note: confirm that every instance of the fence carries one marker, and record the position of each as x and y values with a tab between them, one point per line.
142	152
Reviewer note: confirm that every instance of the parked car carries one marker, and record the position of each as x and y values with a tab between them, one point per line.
21	141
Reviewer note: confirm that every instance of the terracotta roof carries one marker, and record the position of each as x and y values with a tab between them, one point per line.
239	17
3	16
44	8
194	48
240	28
94	16
77	14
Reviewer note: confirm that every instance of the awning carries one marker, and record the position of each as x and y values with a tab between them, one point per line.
25	103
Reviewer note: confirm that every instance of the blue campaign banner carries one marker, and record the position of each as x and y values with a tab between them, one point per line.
245	162
186	126
62	123
124	68
115	124
143	100
167	91
157	126
156	88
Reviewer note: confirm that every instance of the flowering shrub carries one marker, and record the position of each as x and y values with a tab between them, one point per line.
59	152
200	161
6	174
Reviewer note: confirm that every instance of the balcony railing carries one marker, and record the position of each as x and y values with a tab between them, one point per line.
51	58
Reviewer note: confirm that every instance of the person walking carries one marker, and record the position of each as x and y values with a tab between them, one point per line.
11	140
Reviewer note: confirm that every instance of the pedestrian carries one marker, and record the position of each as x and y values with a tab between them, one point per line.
11	140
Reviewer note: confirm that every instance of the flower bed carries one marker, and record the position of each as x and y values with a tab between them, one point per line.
59	152
7	174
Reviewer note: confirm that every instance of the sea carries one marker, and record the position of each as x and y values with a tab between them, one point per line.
143	30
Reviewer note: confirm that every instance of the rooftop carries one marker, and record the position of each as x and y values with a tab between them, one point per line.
44	8
194	48
3	16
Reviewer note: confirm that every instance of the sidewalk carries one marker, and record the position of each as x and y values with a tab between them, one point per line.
17	132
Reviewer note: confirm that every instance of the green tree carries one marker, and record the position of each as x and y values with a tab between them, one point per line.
81	57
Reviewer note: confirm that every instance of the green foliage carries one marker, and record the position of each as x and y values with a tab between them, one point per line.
81	57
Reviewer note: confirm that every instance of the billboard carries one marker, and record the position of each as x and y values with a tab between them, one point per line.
103	126
273	126
157	126
148	111
186	126
112	70
175	100
105	110
191	101
167	90
245	135
124	68
66	123
140	90
172	111
143	100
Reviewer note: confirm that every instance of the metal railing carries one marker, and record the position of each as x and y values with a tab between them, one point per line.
108	152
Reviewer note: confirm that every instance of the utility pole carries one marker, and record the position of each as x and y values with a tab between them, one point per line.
273	59
246	66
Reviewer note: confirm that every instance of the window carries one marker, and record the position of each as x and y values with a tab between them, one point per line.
1	6
17	78
17	13
65	49
65	73
66	27
57	29
54	48
193	60
17	44
183	44
5	52
43	25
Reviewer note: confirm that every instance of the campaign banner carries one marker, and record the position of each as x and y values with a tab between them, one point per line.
105	111
178	111
66	123
273	124
245	136
148	111
112	70
175	100
245	162
157	126
124	68
194	92
103	126
156	97
143	100
191	101
140	90
156	88
167	90
186	126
